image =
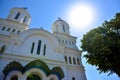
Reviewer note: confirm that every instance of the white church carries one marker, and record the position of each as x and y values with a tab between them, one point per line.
37	54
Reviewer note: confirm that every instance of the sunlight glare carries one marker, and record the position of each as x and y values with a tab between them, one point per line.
80	16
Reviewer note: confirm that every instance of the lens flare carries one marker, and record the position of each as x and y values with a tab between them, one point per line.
81	16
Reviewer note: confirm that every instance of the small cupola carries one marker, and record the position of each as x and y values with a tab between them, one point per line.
60	26
19	15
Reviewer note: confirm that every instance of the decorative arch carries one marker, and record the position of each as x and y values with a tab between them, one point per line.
53	77
58	72
38	64
12	66
39	34
13	75
37	68
35	72
31	32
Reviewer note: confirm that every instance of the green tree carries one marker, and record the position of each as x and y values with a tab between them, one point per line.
103	46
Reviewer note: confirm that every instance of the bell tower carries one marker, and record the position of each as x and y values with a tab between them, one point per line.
19	15
60	26
17	21
60	29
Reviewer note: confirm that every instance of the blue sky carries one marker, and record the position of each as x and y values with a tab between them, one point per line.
45	12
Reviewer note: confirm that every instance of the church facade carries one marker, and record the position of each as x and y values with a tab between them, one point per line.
36	54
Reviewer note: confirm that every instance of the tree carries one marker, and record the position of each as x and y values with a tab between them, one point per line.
103	46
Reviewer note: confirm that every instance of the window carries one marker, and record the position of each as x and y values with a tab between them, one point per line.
63	28
59	40
3	28
73	78
66	42
14	77
52	79
78	61
73	43
24	19
69	42
63	41
13	30
66	59
8	29
70	60
33	77
39	47
74	60
18	14
44	50
18	31
32	48
2	48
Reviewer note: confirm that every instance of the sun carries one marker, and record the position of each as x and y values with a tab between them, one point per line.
80	16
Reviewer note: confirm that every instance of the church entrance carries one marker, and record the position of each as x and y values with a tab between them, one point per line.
33	77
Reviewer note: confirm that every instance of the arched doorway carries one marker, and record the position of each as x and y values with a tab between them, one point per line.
33	77
52	79
14	77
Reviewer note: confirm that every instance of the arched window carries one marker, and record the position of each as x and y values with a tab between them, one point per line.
25	18
32	48
69	42
74	60
44	49
3	28
33	77
39	47
63	41
13	30
66	59
73	78
18	14
57	30
63	28
59	40
3	48
66	41
18	31
70	60
8	29
14	77
78	61
72	43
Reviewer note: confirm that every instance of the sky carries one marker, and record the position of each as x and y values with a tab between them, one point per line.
81	15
